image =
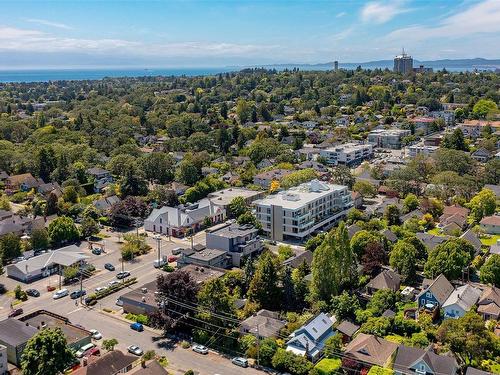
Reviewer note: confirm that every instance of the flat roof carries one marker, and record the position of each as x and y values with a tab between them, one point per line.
224	197
138	295
232	230
207	254
301	195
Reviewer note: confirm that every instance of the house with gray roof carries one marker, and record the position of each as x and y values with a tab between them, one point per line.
309	340
105	203
489	303
461	300
347	330
472	238
436	293
14	335
415	213
386	279
264	323
431	241
419	361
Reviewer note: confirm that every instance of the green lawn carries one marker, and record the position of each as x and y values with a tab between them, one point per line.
435	232
490	241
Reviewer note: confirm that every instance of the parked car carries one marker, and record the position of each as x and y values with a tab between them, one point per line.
122	274
119	302
60	293
109	267
134	349
100	289
96	334
172	259
137	327
239	361
77	294
177	251
113	283
79	353
32	292
96	251
15	312
93	351
159	263
200	349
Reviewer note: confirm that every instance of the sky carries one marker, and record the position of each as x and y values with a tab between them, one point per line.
206	33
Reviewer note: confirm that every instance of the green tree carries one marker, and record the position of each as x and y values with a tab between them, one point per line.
238	206
392	214
382	300
403	258
187	172
449	258
410	203
365	188
333	346
482	204
490	271
158	167
10	246
344	305
455	141
131	184
109	344
286	361
342	175
484	107
214	297
70	194
265	285
46	353
89	227
378	326
62	230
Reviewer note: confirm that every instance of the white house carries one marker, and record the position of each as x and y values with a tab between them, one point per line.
460	301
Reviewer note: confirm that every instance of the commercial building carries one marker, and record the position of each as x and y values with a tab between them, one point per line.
403	63
387	138
224	197
205	258
348	153
299	211
238	240
420	149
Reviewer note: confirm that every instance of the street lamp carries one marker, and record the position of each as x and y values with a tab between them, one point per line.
158	242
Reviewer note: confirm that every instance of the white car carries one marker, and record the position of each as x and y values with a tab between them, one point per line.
100	289
134	349
96	334
113	282
200	349
60	293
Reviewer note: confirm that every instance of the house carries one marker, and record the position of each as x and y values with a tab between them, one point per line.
22	182
102	178
112	363
451	229
431	241
493	188
454	214
309	339
489	303
3	360
264	323
347	330
475	371
472	238
237	240
474	128
14	335
309	153
183	219
149	368
386	279
353	229
412	214
411	360
370	350
460	301
50	188
13	223
104	204
389	235
266	163
311	164
491	224
45	264
435	294
299	259
482	155
264	179
357	199
205	258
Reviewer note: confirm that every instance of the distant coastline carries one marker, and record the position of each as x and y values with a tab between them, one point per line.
55	74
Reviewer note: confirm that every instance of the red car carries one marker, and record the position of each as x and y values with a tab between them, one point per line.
93	351
172	259
15	312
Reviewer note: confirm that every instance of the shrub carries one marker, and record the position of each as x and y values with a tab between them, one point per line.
328	366
185	344
150	354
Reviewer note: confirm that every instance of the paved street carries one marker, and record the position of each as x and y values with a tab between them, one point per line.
113	325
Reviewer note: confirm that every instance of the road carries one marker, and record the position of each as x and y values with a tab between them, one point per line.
113	325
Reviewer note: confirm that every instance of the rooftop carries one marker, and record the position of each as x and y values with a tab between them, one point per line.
232	230
224	197
207	254
14	332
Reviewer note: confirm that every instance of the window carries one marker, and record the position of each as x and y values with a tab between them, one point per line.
428	294
161	220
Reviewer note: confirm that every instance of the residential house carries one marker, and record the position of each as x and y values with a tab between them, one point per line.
309	153
347	330
149	368
309	340
412	214
357	199
474	128
491	224
13	223
22	182
475	371
423	124
455	214
299	259
378	209
264	324
102	178
389	235
264	179
238	241
112	363
179	188
369	350
431	241
460	301
386	279
183	219
50	188
472	238
482	155
489	303
410	360
435	294
104	204
493	188
310	164
266	163
451	229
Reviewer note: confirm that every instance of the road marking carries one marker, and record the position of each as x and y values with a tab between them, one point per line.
75	310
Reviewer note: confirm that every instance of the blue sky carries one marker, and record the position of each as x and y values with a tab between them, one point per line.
175	33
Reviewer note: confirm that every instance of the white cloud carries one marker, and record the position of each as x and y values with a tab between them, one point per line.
48	23
480	18
341	14
382	12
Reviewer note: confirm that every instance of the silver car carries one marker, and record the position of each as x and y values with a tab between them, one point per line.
200	349
240	361
134	349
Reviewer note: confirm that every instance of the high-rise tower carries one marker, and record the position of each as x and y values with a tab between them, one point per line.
403	63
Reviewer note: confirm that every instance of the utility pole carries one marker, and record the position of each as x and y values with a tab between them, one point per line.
60	285
158	242
81	283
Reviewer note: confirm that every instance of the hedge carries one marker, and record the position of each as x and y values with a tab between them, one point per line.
328	366
115	288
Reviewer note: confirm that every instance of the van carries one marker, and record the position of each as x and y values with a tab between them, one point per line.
60	293
83	349
177	251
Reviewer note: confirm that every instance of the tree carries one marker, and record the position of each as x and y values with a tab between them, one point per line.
187	172
484	107
238	206
214	298
265	285
490	271
449	258
365	188
360	241
132	184
342	175
249	218
122	213
158	167
286	361
344	305
51	205
392	214
163	196
70	194
373	258
46	353
403	258
333	346
482	204
46	161
109	344
63	230
378	326
410	203
10	246
382	300
455	141
89	227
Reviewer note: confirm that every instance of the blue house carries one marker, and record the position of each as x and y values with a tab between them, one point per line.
309	339
435	294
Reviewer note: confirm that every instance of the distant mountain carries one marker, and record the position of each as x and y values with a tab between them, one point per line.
449	64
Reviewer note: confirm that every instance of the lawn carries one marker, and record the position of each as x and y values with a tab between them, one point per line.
435	232
491	240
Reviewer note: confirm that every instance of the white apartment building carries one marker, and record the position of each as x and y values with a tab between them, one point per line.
348	153
387	138
420	149
296	213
